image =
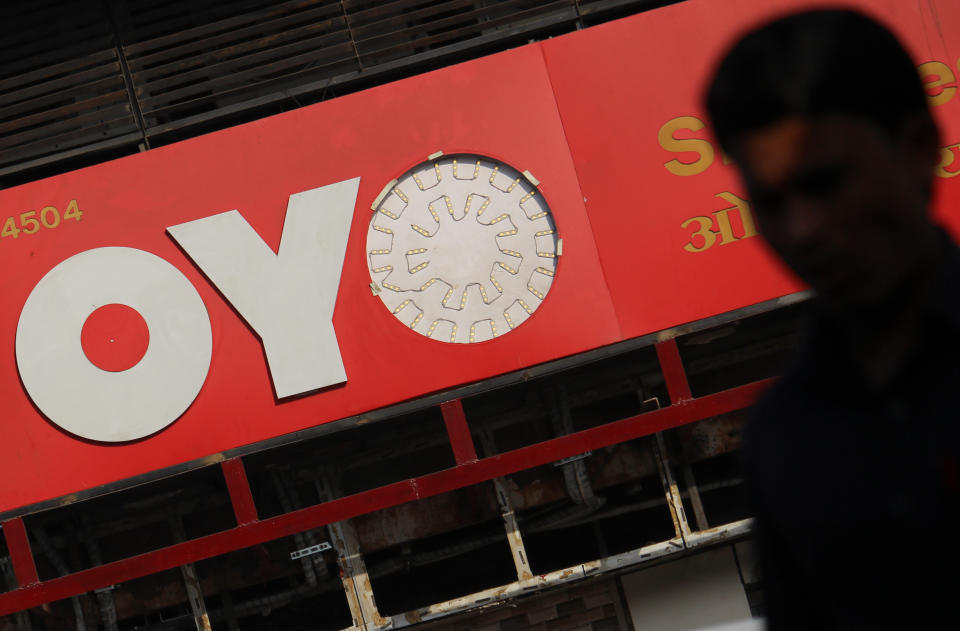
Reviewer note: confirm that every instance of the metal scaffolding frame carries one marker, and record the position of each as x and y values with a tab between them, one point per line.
469	469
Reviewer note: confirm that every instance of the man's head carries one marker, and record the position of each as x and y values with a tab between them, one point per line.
826	117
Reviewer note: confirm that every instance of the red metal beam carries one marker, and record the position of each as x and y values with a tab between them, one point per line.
24	567
239	488
383	497
673	373
464	450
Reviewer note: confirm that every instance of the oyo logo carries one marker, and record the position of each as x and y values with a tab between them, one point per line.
134	299
114	343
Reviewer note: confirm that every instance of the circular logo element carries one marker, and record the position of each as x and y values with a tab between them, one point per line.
462	248
64	319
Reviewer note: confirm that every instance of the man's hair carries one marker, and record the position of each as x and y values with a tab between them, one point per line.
813	64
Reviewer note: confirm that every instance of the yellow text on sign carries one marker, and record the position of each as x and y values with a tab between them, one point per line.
705	231
949	163
679	135
667	137
31	221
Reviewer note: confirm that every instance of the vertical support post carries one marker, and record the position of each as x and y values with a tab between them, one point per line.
356	581
289	502
21	618
127	77
672	491
699	514
229	612
21	556
108	606
514	538
191	580
195	597
46	547
671	364
615	587
461	441
239	488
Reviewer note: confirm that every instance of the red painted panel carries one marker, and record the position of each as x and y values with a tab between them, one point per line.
618	83
501	106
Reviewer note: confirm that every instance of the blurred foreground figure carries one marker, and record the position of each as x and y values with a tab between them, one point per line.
852	458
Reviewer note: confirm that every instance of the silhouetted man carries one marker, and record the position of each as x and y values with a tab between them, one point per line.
852	458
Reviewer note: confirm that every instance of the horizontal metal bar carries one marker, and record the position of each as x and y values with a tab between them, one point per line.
615	563
720	533
467	474
560	463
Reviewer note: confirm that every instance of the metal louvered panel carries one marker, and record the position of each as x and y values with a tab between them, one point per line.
235	52
251	53
79	77
390	30
597	11
60	80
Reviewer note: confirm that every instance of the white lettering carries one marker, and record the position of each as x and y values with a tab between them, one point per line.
99	404
287	297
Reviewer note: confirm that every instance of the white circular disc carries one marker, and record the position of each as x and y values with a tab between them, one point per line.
463	248
113	406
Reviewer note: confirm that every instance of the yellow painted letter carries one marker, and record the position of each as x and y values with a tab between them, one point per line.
678	145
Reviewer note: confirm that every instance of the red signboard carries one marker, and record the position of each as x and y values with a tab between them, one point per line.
595	125
629	94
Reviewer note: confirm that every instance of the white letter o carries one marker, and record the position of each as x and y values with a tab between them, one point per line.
113	406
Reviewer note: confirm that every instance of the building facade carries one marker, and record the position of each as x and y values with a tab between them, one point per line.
566	458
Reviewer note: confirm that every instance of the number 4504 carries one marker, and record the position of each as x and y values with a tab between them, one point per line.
48	217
